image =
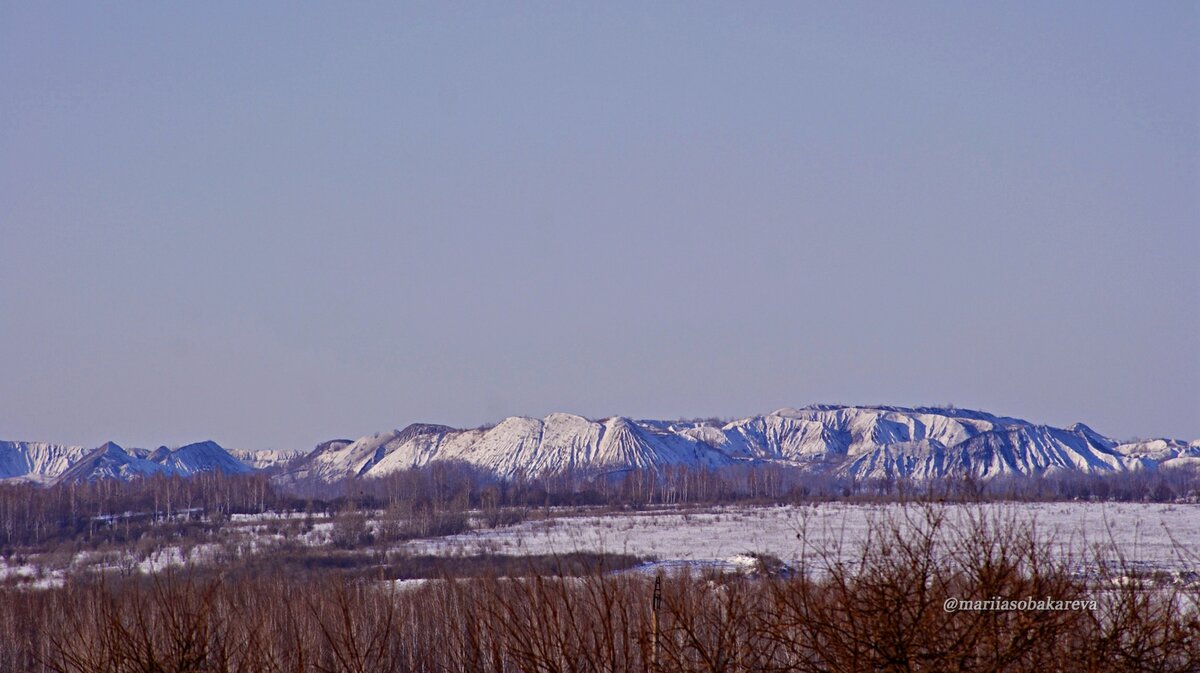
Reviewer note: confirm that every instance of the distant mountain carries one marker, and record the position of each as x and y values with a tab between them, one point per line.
111	462
1162	452
266	459
37	461
199	457
52	463
863	442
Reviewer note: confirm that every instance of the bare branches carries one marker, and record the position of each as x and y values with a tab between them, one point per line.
879	605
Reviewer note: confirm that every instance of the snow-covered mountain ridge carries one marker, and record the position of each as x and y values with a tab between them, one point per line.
864	442
40	462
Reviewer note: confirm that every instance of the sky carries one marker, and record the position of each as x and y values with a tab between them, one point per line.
271	224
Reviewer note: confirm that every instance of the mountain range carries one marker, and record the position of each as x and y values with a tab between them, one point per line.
45	463
861	442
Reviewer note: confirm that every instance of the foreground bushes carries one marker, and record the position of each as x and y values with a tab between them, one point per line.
876	606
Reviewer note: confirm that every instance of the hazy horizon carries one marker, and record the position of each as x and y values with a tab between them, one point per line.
271	225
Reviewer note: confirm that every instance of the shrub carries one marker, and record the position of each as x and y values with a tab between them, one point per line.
350	530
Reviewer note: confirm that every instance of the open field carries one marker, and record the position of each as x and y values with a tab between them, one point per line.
445	576
1148	535
1144	537
887	611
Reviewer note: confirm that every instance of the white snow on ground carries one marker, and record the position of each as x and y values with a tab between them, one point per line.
16	570
31	575
1149	536
1145	533
268	516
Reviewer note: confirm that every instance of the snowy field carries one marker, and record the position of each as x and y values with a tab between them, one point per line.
1149	535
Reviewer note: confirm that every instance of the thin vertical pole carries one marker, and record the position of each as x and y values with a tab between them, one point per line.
655	604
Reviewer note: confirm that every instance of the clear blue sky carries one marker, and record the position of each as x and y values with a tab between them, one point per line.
272	224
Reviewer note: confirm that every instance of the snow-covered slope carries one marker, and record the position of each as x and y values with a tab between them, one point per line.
199	457
263	459
861	442
37	461
111	461
517	445
1167	453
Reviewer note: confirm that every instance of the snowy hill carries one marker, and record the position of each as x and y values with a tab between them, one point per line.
1161	452
198	457
865	442
862	442
517	445
110	461
54	463
266	458
37	461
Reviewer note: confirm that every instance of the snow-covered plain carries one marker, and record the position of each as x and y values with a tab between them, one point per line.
1147	535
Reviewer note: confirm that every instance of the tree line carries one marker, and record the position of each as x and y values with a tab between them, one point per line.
117	512
883	612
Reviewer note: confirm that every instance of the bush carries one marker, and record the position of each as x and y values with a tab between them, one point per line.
875	606
504	516
350	530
